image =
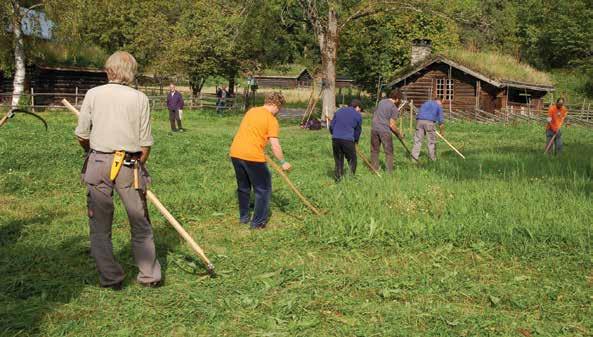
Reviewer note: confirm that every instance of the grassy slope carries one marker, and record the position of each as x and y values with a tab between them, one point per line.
489	246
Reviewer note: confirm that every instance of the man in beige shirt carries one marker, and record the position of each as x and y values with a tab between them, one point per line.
116	118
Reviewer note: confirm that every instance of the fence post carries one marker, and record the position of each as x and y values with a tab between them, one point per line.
32	99
76	97
412	107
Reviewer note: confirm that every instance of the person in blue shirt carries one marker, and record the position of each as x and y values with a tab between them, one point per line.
345	128
431	112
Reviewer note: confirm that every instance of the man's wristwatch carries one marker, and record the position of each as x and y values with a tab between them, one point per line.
282	162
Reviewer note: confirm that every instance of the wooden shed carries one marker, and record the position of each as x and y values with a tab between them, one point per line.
50	83
286	81
292	77
466	81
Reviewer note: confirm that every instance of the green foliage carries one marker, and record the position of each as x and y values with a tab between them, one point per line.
380	45
490	246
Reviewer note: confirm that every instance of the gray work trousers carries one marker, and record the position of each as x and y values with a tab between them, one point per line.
100	211
557	146
424	127
384	138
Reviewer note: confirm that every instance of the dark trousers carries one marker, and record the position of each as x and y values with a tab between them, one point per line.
385	138
252	174
174	118
344	148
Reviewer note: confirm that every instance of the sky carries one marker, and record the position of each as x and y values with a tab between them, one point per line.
36	23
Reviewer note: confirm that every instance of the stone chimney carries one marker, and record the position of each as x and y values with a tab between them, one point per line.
421	50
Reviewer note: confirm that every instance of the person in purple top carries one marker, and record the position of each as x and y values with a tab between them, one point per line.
431	112
174	104
345	128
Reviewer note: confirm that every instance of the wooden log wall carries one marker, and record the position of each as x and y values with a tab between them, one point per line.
422	86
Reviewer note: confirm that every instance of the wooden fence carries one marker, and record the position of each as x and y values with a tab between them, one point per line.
157	102
581	115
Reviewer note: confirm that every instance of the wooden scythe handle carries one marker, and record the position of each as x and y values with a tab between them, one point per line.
366	161
291	185
450	145
196	248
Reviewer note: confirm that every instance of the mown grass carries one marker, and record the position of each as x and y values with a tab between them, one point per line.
497	245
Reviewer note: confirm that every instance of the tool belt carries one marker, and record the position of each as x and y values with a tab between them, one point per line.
128	159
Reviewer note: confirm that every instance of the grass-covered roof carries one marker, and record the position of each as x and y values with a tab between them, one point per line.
499	67
493	66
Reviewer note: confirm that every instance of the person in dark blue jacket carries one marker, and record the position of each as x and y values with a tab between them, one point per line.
345	128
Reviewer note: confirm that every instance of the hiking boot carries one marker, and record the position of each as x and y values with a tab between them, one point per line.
115	287
155	284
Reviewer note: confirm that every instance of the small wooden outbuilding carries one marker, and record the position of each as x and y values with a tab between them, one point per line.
293	78
285	81
466	81
52	83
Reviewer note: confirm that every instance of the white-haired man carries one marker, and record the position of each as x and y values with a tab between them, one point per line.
114	128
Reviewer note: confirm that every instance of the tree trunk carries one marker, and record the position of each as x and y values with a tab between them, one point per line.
328	43
19	56
232	85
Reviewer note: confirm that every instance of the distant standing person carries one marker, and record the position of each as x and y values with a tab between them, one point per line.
384	121
258	128
345	128
556	115
221	96
114	129
174	104
431	112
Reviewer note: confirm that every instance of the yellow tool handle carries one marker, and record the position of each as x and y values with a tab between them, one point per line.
118	160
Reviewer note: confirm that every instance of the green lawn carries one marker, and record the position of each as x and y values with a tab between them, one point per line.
497	245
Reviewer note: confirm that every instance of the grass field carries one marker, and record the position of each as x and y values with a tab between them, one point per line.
497	245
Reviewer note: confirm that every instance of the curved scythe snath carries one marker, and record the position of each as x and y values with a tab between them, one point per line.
13	112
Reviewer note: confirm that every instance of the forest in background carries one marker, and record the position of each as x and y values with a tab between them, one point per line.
199	39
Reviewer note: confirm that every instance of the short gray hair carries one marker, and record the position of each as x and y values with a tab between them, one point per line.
121	67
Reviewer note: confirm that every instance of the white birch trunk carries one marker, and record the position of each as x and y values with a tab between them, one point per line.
19	56
328	43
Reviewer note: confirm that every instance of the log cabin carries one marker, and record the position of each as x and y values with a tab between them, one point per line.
467	81
53	82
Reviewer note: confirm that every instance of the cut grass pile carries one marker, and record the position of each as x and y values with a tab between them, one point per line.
496	245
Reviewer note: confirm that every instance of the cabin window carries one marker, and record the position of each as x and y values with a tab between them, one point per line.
445	89
519	96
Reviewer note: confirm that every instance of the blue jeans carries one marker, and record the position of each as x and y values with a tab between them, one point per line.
253	174
557	146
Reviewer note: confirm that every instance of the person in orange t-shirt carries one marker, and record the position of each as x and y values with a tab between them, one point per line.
556	115
258	128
